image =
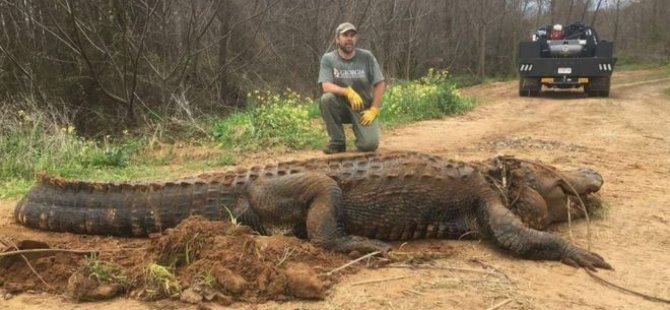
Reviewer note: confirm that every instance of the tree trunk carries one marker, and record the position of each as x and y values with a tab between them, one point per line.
615	36
595	13
540	3
586	10
225	89
481	70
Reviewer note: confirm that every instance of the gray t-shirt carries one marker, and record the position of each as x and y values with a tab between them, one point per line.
361	72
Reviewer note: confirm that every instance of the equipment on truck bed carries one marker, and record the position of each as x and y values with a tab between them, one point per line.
565	57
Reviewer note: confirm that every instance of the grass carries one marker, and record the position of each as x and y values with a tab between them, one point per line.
207	279
432	96
105	272
36	140
32	143
465	80
627	63
159	282
597	208
272	121
184	252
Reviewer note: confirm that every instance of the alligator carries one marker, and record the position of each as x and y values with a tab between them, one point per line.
351	203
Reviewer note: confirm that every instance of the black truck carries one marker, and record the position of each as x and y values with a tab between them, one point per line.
565	58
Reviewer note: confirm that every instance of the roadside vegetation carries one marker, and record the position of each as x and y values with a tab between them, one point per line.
34	140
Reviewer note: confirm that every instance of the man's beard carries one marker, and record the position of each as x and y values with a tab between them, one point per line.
347	49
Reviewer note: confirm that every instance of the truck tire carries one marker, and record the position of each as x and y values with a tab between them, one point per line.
522	91
598	87
529	87
589	92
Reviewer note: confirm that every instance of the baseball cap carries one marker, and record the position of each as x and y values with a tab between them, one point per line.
344	27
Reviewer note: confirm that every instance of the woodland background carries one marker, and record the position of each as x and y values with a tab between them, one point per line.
105	65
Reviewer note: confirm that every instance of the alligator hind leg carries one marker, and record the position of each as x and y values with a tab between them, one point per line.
313	200
324	224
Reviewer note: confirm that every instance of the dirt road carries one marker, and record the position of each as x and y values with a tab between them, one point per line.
624	137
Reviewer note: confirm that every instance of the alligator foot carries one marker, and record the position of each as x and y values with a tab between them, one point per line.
578	257
359	244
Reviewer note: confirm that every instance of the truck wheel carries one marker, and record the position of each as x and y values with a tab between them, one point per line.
522	91
529	87
598	87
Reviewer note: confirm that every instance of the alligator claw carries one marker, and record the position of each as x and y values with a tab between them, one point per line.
361	245
587	259
371	245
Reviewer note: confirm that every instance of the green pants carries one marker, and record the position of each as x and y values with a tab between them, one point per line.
336	111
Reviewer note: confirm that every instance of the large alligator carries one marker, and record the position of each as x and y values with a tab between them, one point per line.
344	203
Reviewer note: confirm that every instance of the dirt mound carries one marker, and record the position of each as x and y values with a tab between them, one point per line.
199	260
54	269
226	262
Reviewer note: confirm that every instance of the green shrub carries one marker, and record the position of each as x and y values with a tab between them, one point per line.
35	145
271	121
34	142
39	141
432	96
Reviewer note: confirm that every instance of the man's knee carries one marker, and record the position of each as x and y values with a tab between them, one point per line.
367	145
328	99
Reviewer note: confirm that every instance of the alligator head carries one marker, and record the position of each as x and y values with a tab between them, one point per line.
540	194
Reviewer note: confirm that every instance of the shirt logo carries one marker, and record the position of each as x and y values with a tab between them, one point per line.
348	74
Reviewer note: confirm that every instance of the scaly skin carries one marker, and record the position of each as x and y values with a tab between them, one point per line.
344	203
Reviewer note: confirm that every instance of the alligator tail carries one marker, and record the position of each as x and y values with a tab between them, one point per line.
123	209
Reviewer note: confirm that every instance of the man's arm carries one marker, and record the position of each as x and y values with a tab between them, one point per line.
368	116
330	87
355	100
377	94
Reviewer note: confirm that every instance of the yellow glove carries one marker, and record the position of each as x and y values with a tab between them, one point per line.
369	115
355	100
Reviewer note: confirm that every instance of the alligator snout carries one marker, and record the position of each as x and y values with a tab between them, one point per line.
589	181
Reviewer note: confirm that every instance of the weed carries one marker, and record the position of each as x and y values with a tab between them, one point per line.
206	279
633	62
225	159
232	217
597	208
272	121
35	140
159	282
183	251
432	96
104	272
14	187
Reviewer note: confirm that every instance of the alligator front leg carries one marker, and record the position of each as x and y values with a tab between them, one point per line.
324	226
313	200
510	233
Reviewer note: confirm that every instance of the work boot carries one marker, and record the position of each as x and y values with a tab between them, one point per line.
333	149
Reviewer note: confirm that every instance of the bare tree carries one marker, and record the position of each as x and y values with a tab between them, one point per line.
125	63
